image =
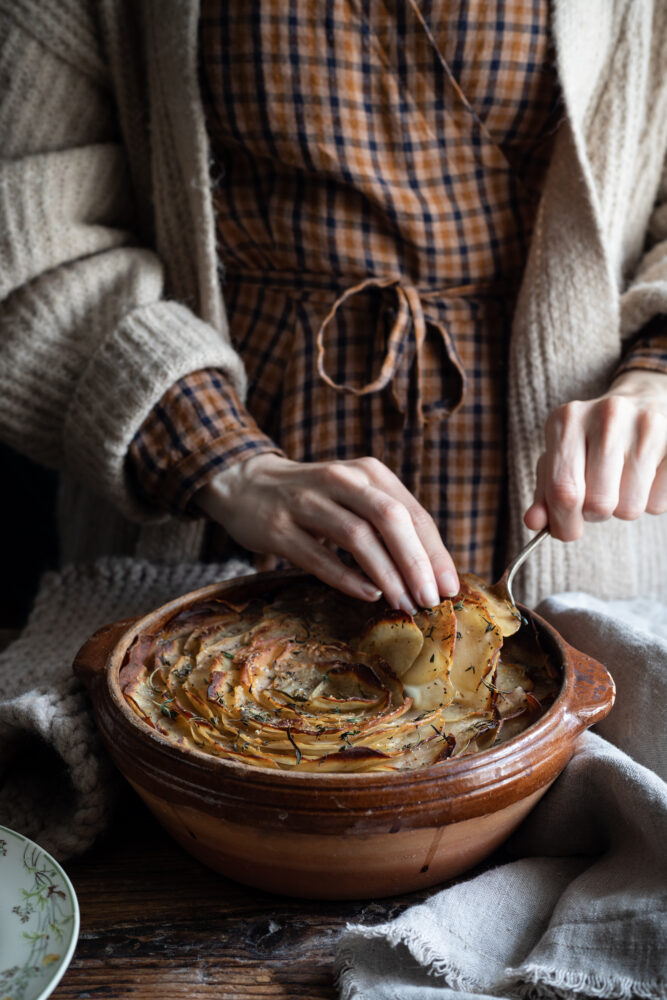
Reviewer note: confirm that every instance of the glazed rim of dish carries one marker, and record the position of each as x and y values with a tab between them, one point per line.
530	759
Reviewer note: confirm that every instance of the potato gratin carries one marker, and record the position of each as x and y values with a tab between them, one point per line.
302	678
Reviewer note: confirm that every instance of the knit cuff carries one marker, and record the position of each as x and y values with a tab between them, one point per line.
149	350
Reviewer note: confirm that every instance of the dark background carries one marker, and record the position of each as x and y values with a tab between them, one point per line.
29	540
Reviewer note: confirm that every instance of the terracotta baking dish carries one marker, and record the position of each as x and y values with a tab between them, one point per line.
339	836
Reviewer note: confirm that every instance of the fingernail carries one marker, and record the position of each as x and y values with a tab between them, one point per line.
448	583
428	596
371	593
406	604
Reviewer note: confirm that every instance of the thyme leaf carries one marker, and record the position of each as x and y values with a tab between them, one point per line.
296	749
164	708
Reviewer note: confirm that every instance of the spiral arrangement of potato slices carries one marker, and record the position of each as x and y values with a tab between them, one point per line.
302	679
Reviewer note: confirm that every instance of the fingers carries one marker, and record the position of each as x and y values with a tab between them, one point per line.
607	433
305	552
657	499
272	505
603	458
407	531
324	517
537	515
446	577
642	466
564	472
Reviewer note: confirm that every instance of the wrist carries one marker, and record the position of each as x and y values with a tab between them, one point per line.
643	387
227	484
640	382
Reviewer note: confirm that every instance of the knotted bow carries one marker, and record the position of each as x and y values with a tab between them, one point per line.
406	340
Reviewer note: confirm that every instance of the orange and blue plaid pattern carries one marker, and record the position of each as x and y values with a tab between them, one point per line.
380	165
198	428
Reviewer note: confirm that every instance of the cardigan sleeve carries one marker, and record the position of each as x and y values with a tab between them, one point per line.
89	343
644	301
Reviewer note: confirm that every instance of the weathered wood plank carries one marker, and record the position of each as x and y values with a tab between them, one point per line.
155	923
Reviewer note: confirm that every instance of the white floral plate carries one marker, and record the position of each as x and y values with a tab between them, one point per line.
39	919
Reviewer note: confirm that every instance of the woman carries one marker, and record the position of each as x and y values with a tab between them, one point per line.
107	144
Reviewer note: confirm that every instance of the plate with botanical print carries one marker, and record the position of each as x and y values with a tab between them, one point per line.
39	919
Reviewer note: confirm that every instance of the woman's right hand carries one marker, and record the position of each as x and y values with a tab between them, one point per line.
272	505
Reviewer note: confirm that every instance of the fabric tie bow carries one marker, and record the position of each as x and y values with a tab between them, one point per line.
405	342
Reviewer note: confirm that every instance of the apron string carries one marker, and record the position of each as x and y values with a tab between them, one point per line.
410	317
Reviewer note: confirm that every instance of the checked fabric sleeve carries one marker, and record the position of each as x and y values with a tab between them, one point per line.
647	350
198	428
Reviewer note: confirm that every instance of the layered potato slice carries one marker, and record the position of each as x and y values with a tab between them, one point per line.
505	614
302	679
428	680
396	637
475	655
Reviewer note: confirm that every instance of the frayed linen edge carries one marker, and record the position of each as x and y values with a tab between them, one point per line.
432	963
535	982
539	983
343	969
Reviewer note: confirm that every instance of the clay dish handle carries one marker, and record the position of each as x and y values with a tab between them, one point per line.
91	660
594	690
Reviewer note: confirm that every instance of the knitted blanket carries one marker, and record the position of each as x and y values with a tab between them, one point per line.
57	785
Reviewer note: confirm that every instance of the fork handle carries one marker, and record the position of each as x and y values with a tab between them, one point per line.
519	559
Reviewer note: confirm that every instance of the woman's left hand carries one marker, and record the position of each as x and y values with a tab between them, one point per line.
604	457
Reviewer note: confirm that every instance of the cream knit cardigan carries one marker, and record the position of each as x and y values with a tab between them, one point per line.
109	277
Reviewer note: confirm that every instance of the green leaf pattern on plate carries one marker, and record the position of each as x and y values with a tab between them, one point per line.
48	911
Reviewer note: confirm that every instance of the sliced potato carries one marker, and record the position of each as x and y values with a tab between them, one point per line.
302	683
505	614
395	637
477	643
432	695
427	681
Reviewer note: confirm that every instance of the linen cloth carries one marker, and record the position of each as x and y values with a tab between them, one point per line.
582	911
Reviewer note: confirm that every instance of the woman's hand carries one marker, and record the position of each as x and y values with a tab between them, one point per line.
604	457
270	504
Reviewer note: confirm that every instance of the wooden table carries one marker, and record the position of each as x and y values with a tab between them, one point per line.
157	924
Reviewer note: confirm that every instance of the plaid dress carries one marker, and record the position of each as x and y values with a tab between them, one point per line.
379	167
